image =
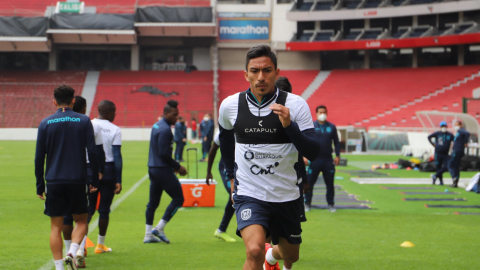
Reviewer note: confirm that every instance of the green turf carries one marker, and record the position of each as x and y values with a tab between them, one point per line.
348	239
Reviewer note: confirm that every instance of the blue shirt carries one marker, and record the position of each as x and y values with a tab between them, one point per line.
62	137
461	138
180	132
327	133
207	128
443	141
161	146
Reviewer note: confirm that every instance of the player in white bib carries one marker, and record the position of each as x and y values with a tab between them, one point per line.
262	132
111	182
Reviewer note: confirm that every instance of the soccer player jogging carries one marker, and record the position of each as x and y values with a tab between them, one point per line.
111	182
262	131
80	106
63	138
458	151
161	170
229	211
443	141
326	134
180	138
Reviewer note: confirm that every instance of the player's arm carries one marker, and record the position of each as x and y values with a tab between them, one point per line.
101	158
336	143
92	155
211	157
467	135
118	161
40	153
227	135
433	135
164	140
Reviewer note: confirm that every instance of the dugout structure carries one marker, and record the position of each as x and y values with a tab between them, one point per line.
430	121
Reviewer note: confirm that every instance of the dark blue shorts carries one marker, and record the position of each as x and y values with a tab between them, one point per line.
279	219
63	199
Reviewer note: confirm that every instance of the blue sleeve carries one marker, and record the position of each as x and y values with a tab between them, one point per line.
433	135
164	146
40	153
101	158
118	161
305	141
227	148
92	153
336	142
467	135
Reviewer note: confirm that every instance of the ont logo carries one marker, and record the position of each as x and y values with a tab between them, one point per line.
197	192
260	123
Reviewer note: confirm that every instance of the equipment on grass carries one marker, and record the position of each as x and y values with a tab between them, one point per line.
343	206
450	206
429	193
434	199
408	188
466	213
473	185
428	166
407	244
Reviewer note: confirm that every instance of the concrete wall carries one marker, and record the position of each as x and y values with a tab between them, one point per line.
289	60
201	58
232	59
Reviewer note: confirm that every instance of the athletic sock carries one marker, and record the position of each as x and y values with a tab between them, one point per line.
101	240
59	264
285	268
148	229
161	225
81	249
218	230
67	245
73	249
269	257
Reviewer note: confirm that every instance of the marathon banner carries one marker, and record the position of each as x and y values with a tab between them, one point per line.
244	27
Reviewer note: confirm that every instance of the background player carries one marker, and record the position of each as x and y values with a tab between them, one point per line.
229	211
111	182
80	106
161	170
180	138
63	138
262	146
458	151
326	134
443	141
206	131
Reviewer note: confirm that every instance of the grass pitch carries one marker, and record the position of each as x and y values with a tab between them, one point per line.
348	239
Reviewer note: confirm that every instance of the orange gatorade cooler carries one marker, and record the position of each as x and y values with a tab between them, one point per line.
197	193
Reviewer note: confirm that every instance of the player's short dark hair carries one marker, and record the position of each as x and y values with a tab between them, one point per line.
259	51
80	104
105	106
321	107
460	122
171	104
64	94
284	84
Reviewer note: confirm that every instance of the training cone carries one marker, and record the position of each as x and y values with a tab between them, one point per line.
89	243
407	244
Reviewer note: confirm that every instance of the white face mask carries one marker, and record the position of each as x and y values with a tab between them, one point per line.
206	119
443	129
456	128
322	117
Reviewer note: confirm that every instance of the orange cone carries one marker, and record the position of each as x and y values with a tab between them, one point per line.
89	243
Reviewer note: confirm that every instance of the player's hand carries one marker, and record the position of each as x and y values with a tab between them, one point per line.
306	187
283	113
118	188
209	178
182	171
204	139
184	140
100	176
93	189
41	196
336	161
305	160
232	188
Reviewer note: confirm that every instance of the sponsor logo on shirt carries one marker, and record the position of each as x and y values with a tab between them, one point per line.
256	170
295	235
105	130
260	130
250	155
63	119
246	214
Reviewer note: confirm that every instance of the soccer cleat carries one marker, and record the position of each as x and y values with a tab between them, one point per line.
151	239
80	260
102	249
441	181
307	207
70	262
434	178
455	182
332	208
266	265
161	234
224	236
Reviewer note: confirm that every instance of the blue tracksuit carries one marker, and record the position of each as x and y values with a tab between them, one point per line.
161	168
180	134
62	137
326	134
458	151
206	129
443	141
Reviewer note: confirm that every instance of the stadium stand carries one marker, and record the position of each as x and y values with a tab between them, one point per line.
140	96
26	97
380	97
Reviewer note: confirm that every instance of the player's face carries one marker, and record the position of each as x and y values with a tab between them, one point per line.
171	116
261	74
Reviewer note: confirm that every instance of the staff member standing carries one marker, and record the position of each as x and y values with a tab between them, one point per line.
180	138
161	170
443	141
206	129
326	134
458	151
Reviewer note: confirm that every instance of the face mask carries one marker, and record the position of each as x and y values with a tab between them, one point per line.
443	129
322	117
456	128
206	119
